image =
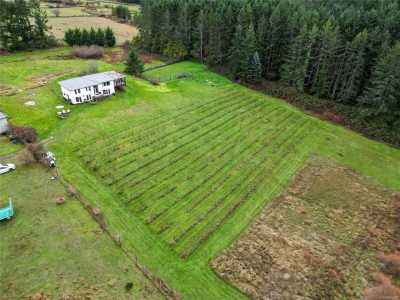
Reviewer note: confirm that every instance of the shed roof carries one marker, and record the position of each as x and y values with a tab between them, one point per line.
90	80
2	116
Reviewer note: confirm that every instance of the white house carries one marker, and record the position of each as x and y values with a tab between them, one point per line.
3	123
91	87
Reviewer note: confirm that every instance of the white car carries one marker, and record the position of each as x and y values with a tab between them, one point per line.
5	168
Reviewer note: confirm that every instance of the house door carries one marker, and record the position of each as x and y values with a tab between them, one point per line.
96	89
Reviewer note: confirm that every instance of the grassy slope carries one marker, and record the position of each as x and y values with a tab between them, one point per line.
59	250
193	278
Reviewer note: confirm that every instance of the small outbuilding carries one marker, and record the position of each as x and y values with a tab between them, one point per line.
3	123
89	88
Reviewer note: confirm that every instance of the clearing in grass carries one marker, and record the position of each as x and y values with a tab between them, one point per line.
319	240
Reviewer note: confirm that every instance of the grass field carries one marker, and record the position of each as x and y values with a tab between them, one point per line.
59	251
123	32
102	8
181	169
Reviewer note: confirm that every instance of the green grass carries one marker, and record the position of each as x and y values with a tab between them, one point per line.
139	155
6	147
59	250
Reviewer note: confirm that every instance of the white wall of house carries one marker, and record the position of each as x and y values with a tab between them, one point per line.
3	125
88	93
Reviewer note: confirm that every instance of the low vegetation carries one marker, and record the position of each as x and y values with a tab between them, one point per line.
88	51
320	240
177	170
51	251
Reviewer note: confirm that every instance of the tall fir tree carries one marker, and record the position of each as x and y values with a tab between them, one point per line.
109	38
133	64
100	37
382	98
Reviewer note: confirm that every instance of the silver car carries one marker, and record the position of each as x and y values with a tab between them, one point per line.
5	168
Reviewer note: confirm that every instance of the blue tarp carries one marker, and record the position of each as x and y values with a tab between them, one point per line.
7	212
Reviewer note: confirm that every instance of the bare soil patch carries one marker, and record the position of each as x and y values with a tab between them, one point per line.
318	241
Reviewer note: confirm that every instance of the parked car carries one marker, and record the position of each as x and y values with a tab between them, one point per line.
5	168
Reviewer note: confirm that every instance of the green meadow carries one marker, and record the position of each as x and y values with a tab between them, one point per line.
182	168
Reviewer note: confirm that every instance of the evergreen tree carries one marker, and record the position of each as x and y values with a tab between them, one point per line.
254	69
85	39
133	64
353	73
100	37
295	68
23	25
77	40
382	98
109	38
69	37
92	36
214	46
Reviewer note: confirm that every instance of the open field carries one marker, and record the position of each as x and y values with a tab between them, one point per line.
97	9
181	169
59	251
319	240
123	32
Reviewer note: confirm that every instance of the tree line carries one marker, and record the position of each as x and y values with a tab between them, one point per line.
121	12
84	37
23	26
346	51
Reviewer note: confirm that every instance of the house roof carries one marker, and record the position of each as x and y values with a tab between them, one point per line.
90	80
2	116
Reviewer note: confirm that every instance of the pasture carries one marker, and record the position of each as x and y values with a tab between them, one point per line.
53	252
181	169
123	32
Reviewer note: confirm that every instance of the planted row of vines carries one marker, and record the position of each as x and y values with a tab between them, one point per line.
186	172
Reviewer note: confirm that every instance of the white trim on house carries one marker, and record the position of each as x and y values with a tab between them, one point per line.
90	87
3	123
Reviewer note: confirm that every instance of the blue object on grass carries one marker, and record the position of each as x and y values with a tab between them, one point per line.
7	212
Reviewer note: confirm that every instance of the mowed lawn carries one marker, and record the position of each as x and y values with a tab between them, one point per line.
59	251
182	168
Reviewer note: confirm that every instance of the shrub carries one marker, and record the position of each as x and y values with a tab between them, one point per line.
381	292
391	263
23	134
88	52
25	157
37	151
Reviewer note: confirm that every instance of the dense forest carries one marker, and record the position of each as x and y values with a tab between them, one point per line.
345	51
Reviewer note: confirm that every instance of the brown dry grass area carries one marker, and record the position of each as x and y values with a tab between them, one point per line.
7	90
317	241
123	32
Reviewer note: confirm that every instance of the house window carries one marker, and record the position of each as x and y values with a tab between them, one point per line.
106	92
78	99
77	91
107	83
88	88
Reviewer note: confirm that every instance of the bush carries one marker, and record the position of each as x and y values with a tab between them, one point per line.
88	51
23	134
91	68
25	157
391	263
37	151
